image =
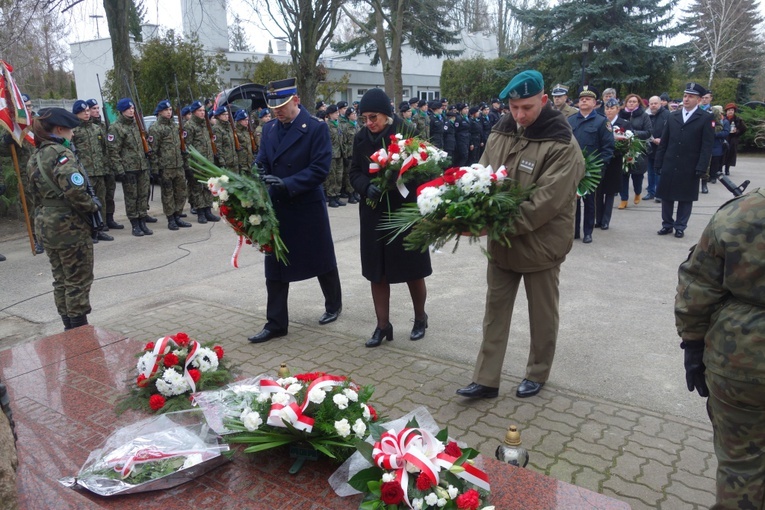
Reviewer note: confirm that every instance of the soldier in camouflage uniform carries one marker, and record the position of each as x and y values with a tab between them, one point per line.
264	117
110	183
422	120
168	161
90	148
224	140
126	153
57	183
350	127
335	178
720	315
245	156
198	137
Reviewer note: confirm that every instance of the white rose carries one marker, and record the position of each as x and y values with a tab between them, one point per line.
365	412
431	499
341	401
317	396
251	420
343	427
441	503
255	219
223	195
352	395
359	428
388	477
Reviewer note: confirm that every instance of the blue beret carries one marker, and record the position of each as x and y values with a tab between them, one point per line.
220	111
196	105
91	102
25	98
240	114
162	105
264	112
526	84
210	114
79	106
124	103
185	111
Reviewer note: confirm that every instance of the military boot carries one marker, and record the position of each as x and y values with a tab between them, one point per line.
136	228
2	258
149	219
38	245
102	236
143	227
180	222
210	216
201	218
67	322
171	224
76	322
113	224
95	238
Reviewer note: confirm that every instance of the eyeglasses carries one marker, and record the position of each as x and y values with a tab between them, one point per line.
372	117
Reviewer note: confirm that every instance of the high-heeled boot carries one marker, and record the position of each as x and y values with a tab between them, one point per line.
379	335
418	330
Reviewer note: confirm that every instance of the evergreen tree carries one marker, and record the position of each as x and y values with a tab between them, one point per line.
625	40
136	18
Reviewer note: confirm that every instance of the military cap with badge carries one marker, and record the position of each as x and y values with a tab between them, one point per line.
281	92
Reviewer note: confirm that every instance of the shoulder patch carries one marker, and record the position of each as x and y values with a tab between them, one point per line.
62	160
110	137
150	139
77	179
184	133
608	126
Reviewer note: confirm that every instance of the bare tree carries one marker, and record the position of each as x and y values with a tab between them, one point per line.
237	36
509	31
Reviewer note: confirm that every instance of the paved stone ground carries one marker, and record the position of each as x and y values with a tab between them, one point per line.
650	460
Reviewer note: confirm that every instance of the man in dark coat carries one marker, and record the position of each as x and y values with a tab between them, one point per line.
295	155
682	159
658	115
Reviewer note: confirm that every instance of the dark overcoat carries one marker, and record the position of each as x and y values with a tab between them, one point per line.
640	124
302	159
611	180
379	258
683	155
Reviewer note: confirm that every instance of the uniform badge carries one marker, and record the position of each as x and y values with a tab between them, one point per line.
62	160
110	137
446	128
457	124
608	126
303	126
77	179
150	139
527	165
184	133
215	138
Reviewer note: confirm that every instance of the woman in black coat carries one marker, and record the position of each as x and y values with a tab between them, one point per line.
611	174
737	128
383	263
640	125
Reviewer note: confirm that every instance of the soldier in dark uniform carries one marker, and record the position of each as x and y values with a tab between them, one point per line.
450	133
59	186
462	135
436	124
485	125
296	154
495	112
110	183
476	134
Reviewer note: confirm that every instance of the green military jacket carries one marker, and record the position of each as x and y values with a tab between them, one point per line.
198	137
349	132
61	220
125	146
721	291
165	141
337	137
245	156
90	146
423	124
224	140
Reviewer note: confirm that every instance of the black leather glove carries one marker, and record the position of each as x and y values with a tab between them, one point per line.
275	182
3	188
98	203
260	168
694	367
189	173
701	173
373	192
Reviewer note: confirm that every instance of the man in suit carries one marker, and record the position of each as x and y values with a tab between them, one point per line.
682	158
295	156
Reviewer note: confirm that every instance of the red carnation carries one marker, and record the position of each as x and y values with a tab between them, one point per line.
394	148
372	412
149	347
224	210
170	360
195	374
469	501
391	493
218	351
142	381
157	402
424	482
182	339
453	450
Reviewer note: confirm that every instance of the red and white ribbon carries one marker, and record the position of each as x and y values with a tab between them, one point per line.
165	345
235	255
293	412
125	465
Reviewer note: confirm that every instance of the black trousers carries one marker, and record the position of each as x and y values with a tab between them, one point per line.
278	294
683	214
586	218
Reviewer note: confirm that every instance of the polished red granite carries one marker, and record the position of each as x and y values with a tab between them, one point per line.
63	389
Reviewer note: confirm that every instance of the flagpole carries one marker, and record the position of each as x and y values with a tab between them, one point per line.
23	198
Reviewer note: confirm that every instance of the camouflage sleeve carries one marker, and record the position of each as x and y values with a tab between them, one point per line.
71	181
700	290
154	137
113	145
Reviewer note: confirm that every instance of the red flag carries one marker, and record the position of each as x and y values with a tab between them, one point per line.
14	116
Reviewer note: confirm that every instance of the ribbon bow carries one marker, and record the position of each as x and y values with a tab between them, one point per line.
162	347
292	412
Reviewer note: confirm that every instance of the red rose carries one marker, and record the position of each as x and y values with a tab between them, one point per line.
394	148
453	450
142	381
195	374
424	482
372	412
469	501
170	360
218	351
157	402
181	339
149	347
224	210
391	493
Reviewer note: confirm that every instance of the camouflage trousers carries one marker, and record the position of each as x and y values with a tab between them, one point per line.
8	464
346	186
334	178
173	191
737	412
72	269
111	186
99	186
199	196
135	187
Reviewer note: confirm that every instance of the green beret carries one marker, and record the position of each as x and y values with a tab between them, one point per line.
526	84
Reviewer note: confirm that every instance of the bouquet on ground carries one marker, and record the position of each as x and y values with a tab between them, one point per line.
471	201
413	468
629	146
593	172
170	370
245	205
405	160
328	412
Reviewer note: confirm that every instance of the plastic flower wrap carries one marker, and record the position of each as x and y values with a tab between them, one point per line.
329	412
156	453
245	205
472	201
629	146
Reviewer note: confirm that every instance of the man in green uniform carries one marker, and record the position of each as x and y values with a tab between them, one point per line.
126	153
198	137
110	183
167	160
224	140
245	156
560	99
719	311
335	178
537	147
90	148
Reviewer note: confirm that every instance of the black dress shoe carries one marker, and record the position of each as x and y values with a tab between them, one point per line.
266	335
418	330
330	317
679	234
604	226
587	238
475	390
379	335
664	231
528	388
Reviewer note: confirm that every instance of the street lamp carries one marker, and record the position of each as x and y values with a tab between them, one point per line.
586	45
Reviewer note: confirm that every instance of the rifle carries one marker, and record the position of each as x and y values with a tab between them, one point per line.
731	186
252	136
209	131
181	131
142	131
103	104
94	219
237	146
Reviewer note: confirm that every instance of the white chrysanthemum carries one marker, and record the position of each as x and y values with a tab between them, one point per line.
399	136
359	428
172	383
343	427
223	195
429	200
205	360
216	205
262	397
431	499
251	420
255	219
629	134
388	477
417	503
475	180
352	395
247	203
286	381
293	389
441	503
365	412
317	396
223	178
453	491
281	398
395	158
341	401
145	363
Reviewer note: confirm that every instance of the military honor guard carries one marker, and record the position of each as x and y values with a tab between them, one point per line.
110	183
198	137
246	155
334	182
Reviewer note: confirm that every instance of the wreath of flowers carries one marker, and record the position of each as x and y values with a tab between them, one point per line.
170	370
629	146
